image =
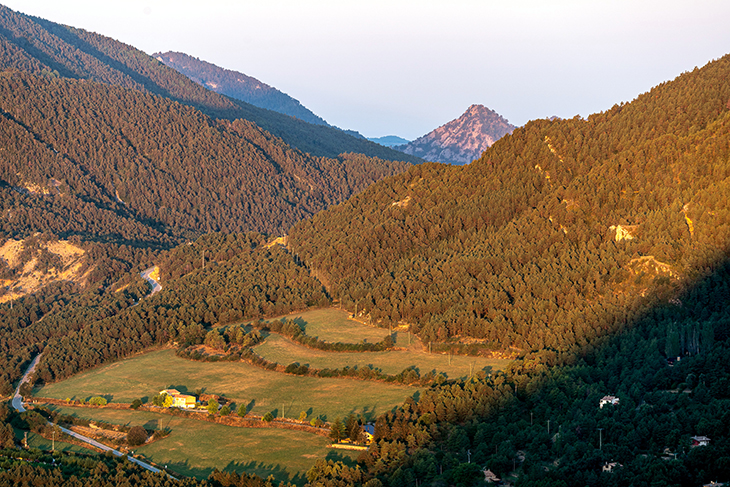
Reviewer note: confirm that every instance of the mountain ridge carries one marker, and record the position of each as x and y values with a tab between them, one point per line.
128	166
46	48
237	85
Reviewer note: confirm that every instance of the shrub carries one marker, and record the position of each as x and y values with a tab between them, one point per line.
136	403
225	411
268	417
242	411
161	434
212	406
137	435
292	368
97	401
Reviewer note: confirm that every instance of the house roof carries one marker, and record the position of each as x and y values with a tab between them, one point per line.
490	476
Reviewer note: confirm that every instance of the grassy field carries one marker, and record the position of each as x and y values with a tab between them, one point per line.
260	390
334	325
195	448
282	350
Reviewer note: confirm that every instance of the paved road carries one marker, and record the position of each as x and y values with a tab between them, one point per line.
18	406
17	399
102	446
156	288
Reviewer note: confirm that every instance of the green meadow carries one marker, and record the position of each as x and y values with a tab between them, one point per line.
261	390
335	325
195	448
277	348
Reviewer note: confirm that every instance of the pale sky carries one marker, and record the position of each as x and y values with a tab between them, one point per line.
405	67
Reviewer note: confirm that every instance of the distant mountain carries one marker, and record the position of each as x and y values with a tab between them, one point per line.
237	85
389	140
462	140
45	48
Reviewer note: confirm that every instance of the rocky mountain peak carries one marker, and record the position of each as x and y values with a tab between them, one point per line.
462	140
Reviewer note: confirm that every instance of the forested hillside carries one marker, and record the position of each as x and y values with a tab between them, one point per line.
103	162
593	250
42	47
559	233
536	425
237	85
218	279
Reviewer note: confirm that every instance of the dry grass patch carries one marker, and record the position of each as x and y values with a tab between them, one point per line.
30	279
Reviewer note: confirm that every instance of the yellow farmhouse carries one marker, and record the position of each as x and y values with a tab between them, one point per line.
180	400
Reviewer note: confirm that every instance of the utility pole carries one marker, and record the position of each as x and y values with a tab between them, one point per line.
548	422
468	456
203	258
600	438
53	448
530	418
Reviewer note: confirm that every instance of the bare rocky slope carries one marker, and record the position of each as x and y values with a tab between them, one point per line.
462	140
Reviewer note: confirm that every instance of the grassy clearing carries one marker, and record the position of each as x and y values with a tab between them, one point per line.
260	390
284	351
334	325
195	448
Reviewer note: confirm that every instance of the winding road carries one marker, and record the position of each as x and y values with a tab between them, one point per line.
156	287
18	406
17	398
